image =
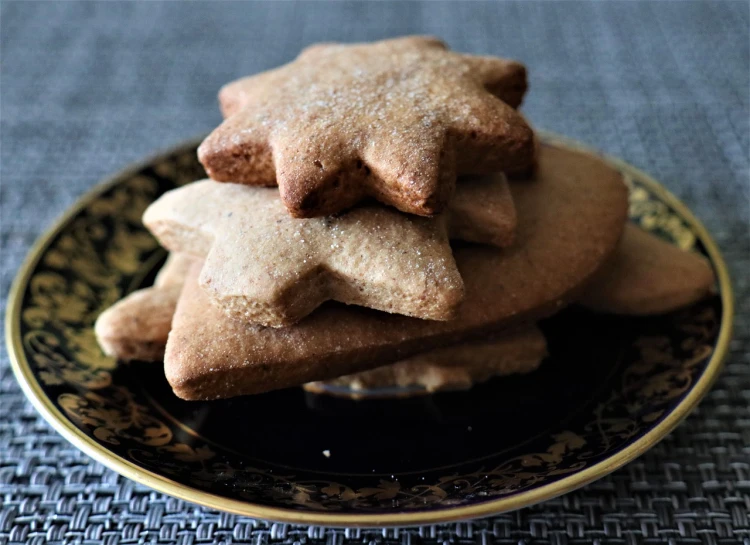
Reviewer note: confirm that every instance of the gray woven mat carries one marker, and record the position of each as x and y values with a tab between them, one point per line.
88	87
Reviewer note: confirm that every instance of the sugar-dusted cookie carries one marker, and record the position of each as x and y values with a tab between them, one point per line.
570	218
136	327
648	275
266	267
396	120
456	367
506	79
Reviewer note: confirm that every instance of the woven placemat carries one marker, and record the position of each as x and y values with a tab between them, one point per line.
87	87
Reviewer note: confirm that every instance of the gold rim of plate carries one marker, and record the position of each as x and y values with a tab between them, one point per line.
69	431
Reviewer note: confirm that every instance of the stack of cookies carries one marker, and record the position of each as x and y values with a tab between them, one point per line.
359	229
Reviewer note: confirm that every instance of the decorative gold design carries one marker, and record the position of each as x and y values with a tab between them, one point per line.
84	264
652	381
116	417
255	484
56	368
180	168
654	215
76	281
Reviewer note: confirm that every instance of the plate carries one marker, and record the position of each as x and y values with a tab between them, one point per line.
611	388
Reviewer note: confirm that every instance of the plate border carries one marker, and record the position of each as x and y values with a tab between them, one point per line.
33	391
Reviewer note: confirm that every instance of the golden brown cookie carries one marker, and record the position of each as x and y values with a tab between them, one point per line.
266	267
648	275
482	211
456	367
396	120
136	327
506	79
141	322
570	218
528	170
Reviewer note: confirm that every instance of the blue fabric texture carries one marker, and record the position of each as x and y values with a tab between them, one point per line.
87	87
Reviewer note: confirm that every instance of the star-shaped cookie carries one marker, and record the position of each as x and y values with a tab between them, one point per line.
266	267
396	120
571	216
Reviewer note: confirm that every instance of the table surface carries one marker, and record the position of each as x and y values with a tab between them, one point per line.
86	88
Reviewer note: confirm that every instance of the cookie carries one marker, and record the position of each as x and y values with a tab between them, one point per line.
504	78
265	267
570	218
396	120
648	275
456	367
268	268
528	170
482	211
136	327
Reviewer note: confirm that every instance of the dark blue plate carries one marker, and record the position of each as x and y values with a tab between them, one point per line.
611	388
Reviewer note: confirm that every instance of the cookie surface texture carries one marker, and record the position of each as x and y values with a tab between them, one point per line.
280	268
265	267
396	120
137	327
482	211
648	275
570	218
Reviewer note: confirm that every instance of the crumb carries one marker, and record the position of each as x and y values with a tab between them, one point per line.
469	428
327	453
